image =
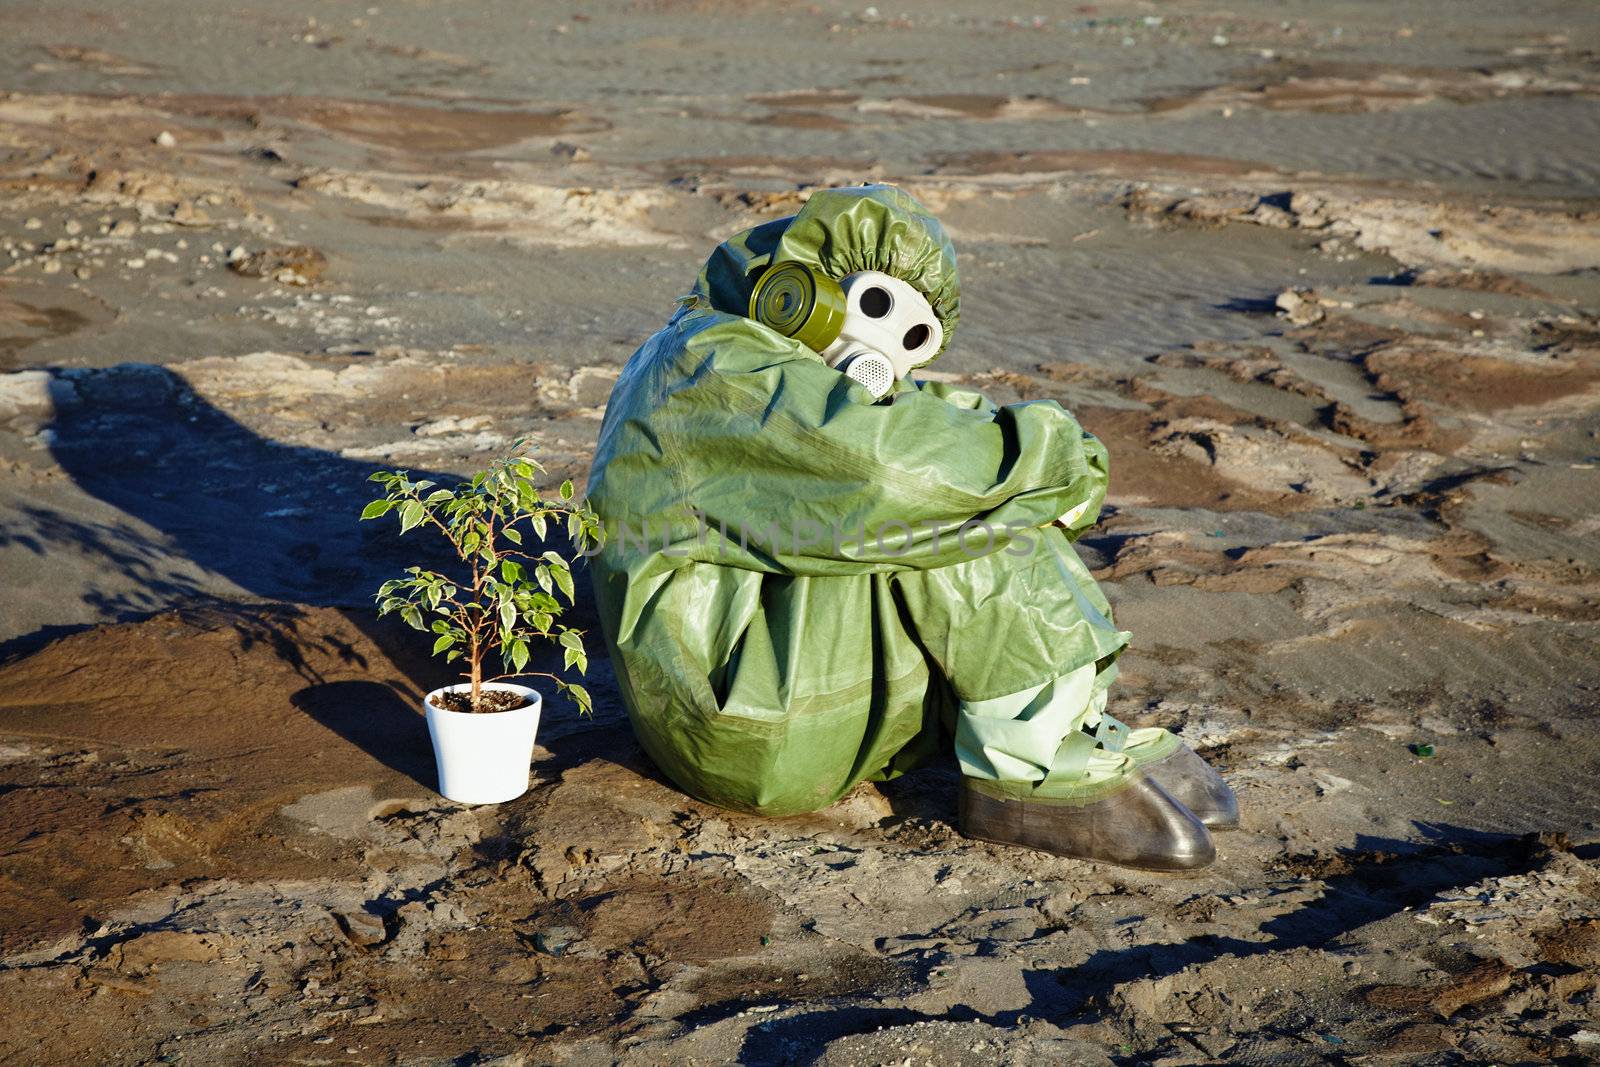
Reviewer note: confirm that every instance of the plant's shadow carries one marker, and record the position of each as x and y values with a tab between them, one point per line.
278	521
379	719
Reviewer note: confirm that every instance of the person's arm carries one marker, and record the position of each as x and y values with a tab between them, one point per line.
763	435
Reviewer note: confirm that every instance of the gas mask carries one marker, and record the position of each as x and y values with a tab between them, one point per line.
869	326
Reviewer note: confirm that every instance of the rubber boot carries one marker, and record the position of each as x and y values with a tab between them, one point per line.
1138	825
1197	786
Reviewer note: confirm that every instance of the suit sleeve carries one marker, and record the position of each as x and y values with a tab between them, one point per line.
764	437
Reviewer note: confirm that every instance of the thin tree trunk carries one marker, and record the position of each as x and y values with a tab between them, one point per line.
477	673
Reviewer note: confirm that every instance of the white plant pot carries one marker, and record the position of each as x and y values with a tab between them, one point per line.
483	758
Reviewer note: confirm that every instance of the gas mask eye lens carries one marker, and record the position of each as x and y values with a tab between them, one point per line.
916	337
875	302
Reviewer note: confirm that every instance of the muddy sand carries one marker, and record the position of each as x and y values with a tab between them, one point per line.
1326	279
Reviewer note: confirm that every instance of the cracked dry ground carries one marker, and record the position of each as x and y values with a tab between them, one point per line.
1334	311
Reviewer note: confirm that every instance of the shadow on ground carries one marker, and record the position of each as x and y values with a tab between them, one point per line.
279	522
1365	884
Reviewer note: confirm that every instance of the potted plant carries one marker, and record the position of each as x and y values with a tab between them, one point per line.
503	598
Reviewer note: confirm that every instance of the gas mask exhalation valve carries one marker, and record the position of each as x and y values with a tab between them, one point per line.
869	326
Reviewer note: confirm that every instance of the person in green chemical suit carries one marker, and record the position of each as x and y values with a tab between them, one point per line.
819	571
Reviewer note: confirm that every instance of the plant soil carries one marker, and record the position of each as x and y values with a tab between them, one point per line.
490	700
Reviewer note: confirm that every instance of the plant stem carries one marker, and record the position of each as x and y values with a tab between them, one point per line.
475	649
477	671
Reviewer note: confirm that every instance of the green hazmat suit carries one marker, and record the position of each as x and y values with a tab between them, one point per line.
802	589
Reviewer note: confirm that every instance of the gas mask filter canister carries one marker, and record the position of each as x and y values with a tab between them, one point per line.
870	326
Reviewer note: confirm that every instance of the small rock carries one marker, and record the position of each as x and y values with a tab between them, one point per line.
566	150
415	912
1352	967
166	140
186	214
163	946
51	266
362	927
555	940
33	224
73	227
1299	306
124	228
291	265
453	424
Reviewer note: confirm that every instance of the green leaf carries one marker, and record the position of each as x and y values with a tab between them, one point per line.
413	616
519	654
564	580
538	525
508	614
512	535
566	489
411	514
444	642
439	496
511	570
572	639
376	509
440	626
580	696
